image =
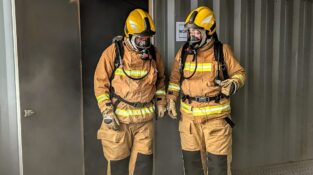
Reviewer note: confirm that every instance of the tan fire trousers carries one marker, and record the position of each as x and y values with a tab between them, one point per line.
213	136
127	144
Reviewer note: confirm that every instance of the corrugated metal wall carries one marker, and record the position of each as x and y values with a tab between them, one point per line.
273	39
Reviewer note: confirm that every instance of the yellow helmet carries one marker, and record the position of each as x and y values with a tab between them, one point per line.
139	22
202	18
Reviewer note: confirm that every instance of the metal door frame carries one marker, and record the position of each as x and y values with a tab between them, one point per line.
11	81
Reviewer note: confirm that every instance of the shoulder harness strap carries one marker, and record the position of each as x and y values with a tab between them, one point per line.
183	57
219	57
119	52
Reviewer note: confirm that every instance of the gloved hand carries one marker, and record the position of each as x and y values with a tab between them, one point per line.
229	87
110	119
161	111
171	108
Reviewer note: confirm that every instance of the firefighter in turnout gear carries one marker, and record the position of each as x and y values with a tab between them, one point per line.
206	73
128	84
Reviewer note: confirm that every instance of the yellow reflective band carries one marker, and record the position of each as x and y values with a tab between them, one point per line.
240	77
160	92
208	110
103	97
201	67
173	87
134	112
133	73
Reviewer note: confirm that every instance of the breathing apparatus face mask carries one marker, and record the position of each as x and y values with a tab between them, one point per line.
142	44
194	40
197	38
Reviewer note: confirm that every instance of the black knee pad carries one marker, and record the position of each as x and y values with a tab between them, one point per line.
144	164
217	164
119	167
192	163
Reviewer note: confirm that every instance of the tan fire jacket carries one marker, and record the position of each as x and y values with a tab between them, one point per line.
144	90
202	83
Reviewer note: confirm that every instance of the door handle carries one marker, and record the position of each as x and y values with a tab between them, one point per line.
28	113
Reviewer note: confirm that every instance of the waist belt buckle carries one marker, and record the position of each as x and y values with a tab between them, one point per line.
202	99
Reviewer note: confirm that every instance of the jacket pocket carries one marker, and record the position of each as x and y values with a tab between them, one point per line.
184	127
219	127
218	137
111	135
188	139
